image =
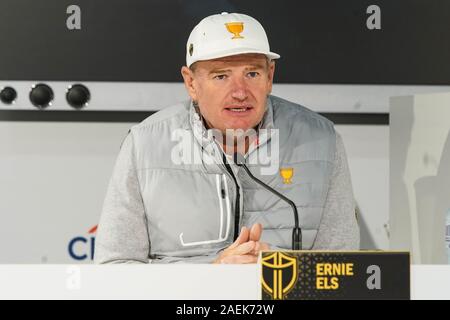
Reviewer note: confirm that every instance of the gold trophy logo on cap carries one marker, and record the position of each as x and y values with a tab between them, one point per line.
286	174
235	28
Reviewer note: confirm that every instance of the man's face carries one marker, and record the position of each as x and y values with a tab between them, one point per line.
231	92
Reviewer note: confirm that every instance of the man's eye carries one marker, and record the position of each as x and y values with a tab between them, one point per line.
252	74
220	77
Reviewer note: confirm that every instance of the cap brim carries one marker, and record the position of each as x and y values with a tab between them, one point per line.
234	52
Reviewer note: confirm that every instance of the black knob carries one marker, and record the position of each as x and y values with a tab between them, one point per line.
41	95
78	96
8	95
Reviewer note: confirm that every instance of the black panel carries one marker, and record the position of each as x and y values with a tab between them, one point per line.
138	116
320	41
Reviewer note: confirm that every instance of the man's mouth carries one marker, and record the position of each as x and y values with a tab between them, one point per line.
238	109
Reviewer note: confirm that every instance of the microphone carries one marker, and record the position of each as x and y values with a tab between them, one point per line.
296	232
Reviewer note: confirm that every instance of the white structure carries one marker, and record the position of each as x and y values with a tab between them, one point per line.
420	175
177	282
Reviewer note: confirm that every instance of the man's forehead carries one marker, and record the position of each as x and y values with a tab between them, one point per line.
241	59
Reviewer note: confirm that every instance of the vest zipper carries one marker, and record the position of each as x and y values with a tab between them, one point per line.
237	206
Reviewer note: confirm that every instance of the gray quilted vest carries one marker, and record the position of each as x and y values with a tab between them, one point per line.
191	206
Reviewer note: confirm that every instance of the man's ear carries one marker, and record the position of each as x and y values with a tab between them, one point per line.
188	77
271	75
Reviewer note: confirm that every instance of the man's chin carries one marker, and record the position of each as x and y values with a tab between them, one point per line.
238	130
242	126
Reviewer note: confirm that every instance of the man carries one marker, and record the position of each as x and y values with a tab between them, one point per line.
166	205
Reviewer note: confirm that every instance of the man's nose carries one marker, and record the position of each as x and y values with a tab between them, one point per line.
239	90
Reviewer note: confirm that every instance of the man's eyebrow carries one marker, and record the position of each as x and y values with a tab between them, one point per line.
250	67
255	66
214	71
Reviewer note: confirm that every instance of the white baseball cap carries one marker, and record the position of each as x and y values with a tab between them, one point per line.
227	34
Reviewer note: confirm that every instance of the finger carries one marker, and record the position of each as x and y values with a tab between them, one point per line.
264	246
243	237
255	232
242	259
244	248
260	246
257	248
